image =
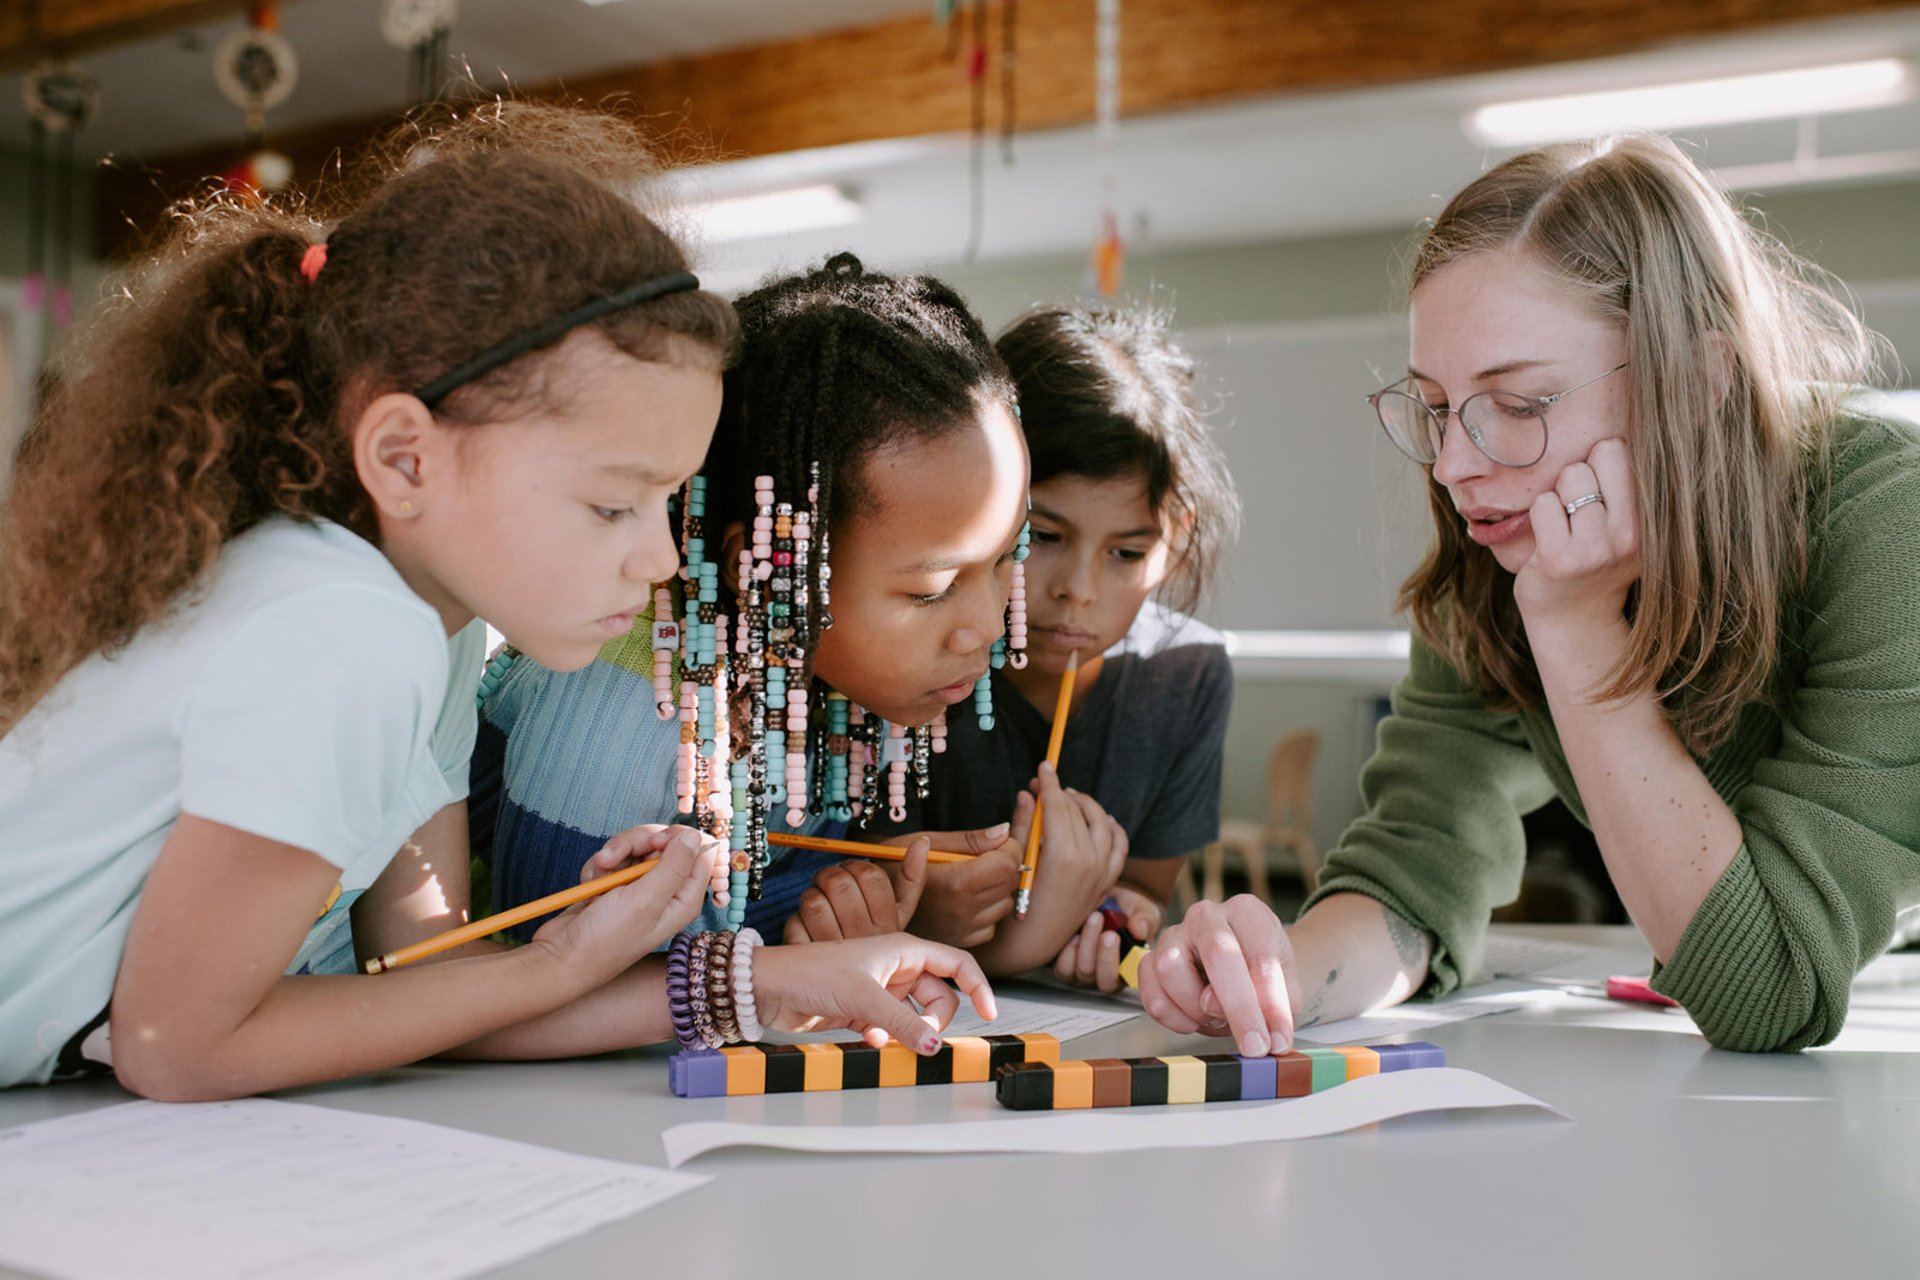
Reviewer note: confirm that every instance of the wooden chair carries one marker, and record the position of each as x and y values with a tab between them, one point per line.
1289	822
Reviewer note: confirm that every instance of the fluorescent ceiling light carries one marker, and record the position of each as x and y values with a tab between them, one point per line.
1850	86
772	213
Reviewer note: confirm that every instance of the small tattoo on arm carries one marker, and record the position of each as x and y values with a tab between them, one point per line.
1409	943
1317	1005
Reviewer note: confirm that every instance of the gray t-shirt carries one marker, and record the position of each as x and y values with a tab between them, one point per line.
1146	742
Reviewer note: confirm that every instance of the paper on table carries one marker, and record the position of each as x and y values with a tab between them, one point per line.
1358	1102
1474	1002
1023	1015
1508	955
261	1188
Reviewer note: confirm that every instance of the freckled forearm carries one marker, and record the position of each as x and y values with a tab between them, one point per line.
1664	833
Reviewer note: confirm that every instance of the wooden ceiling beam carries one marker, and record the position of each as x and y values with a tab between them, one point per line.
894	79
34	29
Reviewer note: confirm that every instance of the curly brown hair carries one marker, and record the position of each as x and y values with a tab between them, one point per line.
219	391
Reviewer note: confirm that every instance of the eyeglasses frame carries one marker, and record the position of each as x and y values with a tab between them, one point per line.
1543	403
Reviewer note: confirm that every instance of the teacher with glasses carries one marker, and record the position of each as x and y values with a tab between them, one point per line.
1674	582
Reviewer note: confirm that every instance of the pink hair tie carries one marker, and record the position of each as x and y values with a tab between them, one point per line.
312	260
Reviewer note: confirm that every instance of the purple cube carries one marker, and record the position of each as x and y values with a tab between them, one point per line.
701	1073
1406	1057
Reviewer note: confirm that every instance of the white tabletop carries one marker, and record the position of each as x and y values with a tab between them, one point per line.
1679	1159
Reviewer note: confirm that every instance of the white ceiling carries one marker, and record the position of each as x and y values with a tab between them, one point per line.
1280	168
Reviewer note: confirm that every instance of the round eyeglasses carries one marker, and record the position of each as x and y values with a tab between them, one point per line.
1508	427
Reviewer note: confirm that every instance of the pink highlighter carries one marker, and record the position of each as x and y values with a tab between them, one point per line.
1619	987
1622	987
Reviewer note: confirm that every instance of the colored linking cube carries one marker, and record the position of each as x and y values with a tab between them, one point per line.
1213	1077
1131	951
811	1068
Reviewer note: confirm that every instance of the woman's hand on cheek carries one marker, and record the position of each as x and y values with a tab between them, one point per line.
1583	561
864	985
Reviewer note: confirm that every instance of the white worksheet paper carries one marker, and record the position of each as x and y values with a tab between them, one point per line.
260	1188
1511	955
1016	1016
1404	1019
1367	1100
1024	1015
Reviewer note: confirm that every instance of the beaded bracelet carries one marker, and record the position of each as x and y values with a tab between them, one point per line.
744	1012
703	1028
720	988
679	996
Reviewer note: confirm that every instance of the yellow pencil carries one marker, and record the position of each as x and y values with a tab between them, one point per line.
859	849
507	919
1024	895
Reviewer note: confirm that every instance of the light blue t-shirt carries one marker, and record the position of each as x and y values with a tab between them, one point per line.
305	695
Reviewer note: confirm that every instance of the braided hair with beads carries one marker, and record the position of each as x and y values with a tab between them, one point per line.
837	363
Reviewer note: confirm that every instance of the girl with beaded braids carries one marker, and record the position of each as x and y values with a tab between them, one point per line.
1132	506
251	531
852	550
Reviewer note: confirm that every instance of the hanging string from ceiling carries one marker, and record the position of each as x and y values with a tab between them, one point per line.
60	100
1109	251
977	154
422	28
972	32
1009	20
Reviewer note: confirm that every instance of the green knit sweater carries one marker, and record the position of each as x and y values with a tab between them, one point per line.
1826	785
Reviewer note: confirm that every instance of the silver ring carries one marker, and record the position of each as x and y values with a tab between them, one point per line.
1584	499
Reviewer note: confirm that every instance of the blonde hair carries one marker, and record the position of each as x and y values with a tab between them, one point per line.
1739	355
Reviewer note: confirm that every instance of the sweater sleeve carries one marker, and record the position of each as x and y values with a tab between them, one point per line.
1830	821
1440	841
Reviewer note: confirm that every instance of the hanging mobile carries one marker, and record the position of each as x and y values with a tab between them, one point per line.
256	70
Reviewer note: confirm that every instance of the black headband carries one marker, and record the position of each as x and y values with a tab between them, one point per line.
552	331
